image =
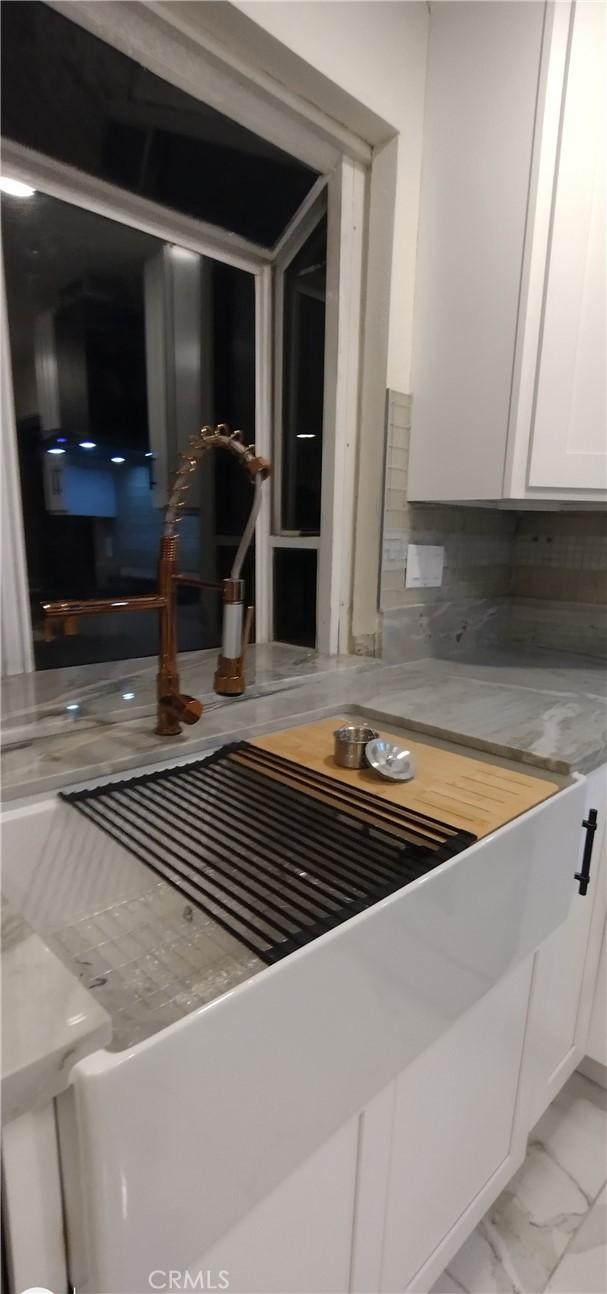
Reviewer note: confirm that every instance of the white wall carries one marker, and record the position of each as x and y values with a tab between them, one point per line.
376	52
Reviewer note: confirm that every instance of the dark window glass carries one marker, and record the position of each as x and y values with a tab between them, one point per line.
75	98
303	384
295	595
78	311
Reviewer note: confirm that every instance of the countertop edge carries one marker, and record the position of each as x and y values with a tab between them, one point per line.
37	1074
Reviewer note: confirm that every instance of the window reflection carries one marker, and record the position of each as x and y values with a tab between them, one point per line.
303	384
114	367
73	97
295	575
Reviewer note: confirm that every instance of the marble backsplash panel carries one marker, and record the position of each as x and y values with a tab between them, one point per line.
564	626
561	557
532	579
446	628
559	582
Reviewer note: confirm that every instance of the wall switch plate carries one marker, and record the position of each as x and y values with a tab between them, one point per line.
425	564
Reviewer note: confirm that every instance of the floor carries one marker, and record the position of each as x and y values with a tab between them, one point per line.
548	1230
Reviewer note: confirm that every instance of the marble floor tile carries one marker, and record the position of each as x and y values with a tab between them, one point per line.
572	1132
535	1217
583	1268
482	1265
544	1232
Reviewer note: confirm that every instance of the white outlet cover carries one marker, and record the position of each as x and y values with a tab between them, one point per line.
425	564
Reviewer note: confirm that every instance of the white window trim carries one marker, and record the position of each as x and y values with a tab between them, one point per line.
264	585
311	136
68	184
299	229
17	649
295	541
345	260
309	204
163	38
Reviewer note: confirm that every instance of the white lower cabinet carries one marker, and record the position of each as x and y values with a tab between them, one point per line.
564	978
596	1046
387	1200
453	1135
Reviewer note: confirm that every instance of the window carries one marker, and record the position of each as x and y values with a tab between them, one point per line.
111	143
101	417
295	574
303	363
73	97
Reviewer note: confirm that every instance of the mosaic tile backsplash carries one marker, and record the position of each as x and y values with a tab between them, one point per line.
533	579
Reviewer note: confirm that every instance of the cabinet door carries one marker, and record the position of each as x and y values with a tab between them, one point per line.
453	1130
569	449
481	95
596	1046
564	980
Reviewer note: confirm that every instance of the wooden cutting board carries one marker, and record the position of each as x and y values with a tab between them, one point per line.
464	791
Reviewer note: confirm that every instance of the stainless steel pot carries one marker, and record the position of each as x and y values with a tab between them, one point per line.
350	742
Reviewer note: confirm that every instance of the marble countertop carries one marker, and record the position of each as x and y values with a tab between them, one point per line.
49	1021
66	727
542	708
62	727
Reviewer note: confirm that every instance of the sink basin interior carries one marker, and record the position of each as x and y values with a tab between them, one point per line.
148	955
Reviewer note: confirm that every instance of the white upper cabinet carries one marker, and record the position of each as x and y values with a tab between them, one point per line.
568	435
509	341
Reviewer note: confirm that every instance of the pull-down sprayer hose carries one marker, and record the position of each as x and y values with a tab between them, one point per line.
248	531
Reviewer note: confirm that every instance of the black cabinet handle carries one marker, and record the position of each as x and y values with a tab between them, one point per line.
583	876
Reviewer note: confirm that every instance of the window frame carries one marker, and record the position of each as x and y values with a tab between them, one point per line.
296	234
343	159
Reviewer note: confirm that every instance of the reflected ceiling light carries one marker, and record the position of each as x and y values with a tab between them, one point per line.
73	705
149	453
87	444
306	435
183	254
55	451
128	696
117	459
15	188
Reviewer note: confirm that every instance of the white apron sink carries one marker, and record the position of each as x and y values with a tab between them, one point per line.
168	1141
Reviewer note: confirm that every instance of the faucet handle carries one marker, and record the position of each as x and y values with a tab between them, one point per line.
181	708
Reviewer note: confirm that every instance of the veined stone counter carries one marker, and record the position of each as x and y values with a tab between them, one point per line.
66	727
49	1020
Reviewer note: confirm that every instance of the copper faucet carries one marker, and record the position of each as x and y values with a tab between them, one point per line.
174	706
